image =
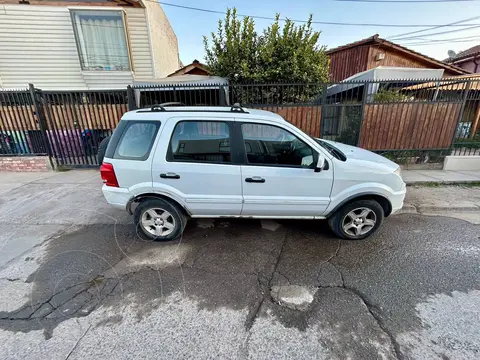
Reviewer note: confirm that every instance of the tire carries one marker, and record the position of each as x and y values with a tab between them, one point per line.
346	227
102	148
168	213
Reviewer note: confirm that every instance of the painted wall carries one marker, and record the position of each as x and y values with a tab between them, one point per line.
37	45
470	65
164	43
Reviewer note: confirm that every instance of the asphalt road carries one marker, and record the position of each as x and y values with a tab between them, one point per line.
79	283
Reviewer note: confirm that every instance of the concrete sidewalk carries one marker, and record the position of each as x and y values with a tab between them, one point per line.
412	177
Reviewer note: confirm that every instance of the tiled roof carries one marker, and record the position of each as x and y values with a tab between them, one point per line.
475	50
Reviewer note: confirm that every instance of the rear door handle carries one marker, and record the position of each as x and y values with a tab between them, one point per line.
170	175
255	179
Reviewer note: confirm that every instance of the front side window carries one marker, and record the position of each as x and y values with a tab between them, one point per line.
101	40
200	141
271	145
137	140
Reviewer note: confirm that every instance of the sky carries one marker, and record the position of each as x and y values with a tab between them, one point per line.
190	26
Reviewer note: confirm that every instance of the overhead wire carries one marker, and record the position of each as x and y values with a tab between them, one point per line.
439	43
449	39
438	27
406	1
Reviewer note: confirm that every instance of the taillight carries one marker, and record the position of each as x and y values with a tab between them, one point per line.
108	175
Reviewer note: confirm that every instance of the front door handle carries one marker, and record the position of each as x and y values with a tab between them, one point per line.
255	179
170	175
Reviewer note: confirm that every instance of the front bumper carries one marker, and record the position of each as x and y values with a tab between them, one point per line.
397	198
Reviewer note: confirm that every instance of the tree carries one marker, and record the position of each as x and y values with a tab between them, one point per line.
291	54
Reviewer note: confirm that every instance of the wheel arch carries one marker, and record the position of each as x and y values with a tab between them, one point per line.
382	200
141	197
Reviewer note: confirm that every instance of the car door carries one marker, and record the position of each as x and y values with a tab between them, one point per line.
193	163
279	178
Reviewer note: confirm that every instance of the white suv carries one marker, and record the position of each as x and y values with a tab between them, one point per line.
165	165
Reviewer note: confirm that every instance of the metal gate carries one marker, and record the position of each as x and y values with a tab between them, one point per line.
77	121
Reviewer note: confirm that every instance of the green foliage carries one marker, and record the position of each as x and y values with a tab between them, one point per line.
289	54
386	95
468	143
407	157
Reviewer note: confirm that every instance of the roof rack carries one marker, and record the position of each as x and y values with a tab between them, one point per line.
162	107
237	107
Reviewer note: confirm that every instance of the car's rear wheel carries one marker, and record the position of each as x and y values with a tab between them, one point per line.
159	219
357	220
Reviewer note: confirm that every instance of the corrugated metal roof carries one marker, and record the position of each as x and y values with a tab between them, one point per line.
450	83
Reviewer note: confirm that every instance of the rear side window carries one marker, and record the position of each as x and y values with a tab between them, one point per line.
200	141
136	140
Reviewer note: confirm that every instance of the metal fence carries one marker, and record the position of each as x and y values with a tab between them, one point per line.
16	136
410	121
68	126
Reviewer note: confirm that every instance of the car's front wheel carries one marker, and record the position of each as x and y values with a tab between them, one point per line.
159	219
357	220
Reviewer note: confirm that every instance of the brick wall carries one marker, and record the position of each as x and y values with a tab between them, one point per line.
25	163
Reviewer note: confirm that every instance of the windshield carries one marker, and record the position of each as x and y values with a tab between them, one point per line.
334	151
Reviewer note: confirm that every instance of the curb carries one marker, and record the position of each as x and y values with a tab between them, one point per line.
433	208
440	182
420	209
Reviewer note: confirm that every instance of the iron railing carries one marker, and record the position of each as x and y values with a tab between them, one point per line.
419	120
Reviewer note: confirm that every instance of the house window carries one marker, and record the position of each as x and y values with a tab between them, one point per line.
101	40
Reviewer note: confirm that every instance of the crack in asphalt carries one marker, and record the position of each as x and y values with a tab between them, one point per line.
264	288
37	305
77	342
376	313
372	309
335	254
284	276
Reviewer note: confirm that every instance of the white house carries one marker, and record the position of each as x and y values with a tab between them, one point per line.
89	44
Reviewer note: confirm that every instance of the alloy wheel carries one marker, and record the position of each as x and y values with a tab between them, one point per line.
359	222
158	222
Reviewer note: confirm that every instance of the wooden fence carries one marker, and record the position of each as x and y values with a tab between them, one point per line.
63	117
20	117
87	116
385	126
409	126
306	118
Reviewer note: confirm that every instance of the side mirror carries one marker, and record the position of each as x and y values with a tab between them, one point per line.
320	163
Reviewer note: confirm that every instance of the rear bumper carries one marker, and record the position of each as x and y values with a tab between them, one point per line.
397	198
117	197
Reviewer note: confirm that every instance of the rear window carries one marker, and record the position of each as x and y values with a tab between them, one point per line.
136	140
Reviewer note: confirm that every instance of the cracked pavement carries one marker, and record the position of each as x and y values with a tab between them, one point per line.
79	283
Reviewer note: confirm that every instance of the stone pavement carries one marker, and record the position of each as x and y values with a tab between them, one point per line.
440	176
